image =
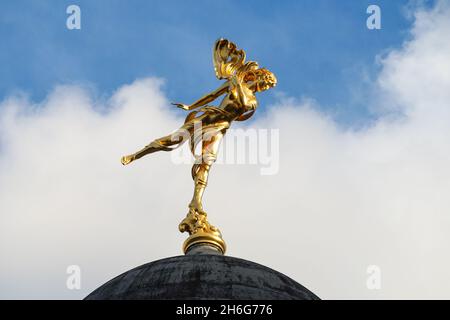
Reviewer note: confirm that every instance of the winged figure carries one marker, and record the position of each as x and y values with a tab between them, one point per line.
207	124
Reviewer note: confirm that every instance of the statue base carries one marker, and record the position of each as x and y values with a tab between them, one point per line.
200	231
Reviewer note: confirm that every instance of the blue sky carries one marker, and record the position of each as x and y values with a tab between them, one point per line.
374	195
318	49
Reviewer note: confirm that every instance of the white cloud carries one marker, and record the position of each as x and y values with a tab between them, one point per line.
343	200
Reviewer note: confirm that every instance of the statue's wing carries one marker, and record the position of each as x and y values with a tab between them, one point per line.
227	58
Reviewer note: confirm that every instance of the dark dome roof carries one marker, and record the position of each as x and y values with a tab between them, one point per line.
202	276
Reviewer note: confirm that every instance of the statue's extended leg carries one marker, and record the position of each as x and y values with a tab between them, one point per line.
167	143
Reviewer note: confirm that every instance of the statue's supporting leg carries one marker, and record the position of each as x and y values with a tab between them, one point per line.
196	223
209	155
200	183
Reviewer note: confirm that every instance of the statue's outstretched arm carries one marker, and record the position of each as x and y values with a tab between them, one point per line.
207	98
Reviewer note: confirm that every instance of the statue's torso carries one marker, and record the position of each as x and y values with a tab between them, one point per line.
232	105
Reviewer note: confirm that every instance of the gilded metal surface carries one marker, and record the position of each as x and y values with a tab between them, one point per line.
207	125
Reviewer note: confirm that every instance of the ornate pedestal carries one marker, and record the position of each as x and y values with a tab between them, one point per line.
200	231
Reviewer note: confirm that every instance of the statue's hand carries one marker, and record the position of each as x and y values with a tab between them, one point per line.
181	106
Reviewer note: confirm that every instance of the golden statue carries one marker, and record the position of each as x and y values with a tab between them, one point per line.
208	124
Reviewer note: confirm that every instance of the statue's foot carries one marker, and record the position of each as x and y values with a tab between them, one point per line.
127	159
196	207
195	217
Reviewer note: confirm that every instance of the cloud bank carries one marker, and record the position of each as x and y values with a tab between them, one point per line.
342	200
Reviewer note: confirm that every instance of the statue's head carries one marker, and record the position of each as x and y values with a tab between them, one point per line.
263	79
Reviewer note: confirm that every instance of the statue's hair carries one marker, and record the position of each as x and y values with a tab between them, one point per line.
251	71
267	76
